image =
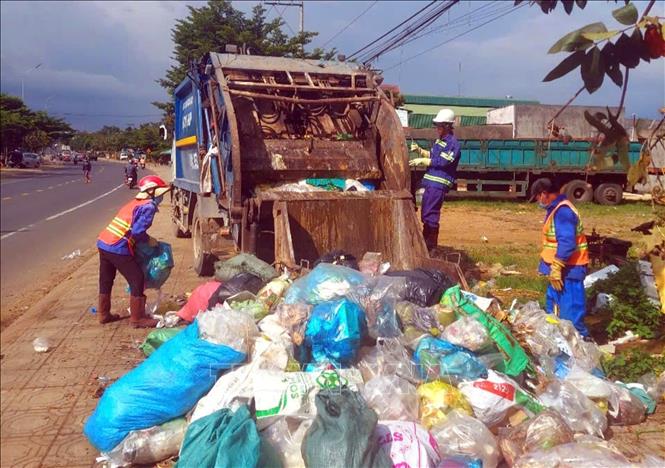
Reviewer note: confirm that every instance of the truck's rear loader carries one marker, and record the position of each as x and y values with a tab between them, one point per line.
277	121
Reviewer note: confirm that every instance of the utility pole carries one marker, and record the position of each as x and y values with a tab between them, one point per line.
459	79
300	5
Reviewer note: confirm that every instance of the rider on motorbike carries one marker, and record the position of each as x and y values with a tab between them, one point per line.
131	172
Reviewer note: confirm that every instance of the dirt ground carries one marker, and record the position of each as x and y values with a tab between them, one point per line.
46	397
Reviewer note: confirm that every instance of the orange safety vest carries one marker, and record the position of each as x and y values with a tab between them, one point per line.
121	225
581	254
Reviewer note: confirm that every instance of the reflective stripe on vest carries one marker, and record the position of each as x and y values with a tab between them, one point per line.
120	226
550	245
439	180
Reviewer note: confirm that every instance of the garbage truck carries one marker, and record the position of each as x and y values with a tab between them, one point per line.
250	130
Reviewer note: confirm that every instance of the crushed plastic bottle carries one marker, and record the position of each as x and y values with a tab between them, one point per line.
41	345
73	255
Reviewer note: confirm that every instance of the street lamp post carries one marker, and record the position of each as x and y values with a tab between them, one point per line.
25	73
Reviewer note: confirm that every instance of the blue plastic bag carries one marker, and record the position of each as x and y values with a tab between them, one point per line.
163	387
326	282
440	359
334	332
156	263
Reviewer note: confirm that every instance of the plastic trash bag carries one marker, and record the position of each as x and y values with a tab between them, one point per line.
461	434
224	439
407	444
467	332
227	327
198	301
588	454
272	292
437	399
325	282
286	436
654	386
438	359
278	394
163	387
544	431
516	360
418	320
342	434
392	397
494	397
155	262
640	392
591	386
339	257
334	332
389	358
423	287
249	304
580	413
460	461
294	317
148	446
370	264
239	283
626	409
377	296
244	263
156	338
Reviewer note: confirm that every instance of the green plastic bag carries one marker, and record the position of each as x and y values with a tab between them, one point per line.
223	439
342	434
515	360
156	338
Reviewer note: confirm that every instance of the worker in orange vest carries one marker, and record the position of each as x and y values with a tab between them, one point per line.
116	251
565	254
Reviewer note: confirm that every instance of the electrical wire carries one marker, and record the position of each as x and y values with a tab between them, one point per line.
392	30
350	23
285	22
456	37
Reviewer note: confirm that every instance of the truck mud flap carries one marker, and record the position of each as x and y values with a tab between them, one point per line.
307	225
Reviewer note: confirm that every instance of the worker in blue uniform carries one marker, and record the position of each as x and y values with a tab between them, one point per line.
441	163
565	254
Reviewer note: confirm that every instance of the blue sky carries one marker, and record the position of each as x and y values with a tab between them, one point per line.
100	60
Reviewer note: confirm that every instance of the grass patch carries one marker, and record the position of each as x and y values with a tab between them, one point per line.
628	366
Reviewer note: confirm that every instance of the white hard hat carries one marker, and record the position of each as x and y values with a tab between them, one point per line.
444	116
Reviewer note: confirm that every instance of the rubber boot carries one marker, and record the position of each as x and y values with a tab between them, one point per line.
104	310
427	235
434	238
137	318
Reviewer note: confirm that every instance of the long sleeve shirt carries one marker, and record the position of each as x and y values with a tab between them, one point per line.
565	230
142	218
444	156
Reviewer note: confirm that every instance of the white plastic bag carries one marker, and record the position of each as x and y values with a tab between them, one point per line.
407	444
461	434
388	357
580	413
228	327
392	397
279	394
493	397
467	332
148	446
286	437
590	453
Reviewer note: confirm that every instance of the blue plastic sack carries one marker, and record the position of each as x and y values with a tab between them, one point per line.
326	282
334	332
156	263
440	359
163	387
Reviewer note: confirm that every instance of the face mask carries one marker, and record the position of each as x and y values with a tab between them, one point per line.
542	205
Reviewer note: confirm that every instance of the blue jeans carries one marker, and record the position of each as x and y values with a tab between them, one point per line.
571	301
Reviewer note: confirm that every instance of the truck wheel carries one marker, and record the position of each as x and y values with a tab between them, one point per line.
578	191
204	263
608	194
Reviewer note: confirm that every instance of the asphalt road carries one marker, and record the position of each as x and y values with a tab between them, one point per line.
48	213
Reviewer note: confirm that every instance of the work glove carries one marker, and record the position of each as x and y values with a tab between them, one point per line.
414	147
420	162
556	274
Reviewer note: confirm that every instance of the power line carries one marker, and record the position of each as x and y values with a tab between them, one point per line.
400	38
393	29
350	23
456	37
74	114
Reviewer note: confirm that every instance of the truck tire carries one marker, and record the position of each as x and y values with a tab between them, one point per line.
578	191
608	194
204	263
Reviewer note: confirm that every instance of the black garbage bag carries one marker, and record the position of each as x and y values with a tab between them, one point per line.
237	284
339	257
342	434
424	287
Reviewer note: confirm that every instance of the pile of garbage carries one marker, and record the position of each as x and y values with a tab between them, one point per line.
361	366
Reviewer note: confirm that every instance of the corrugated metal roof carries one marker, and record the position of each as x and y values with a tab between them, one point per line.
462	101
425	120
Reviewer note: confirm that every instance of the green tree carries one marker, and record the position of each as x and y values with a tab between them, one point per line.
211	27
36	140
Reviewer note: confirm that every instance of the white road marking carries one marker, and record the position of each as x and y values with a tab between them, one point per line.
62	213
